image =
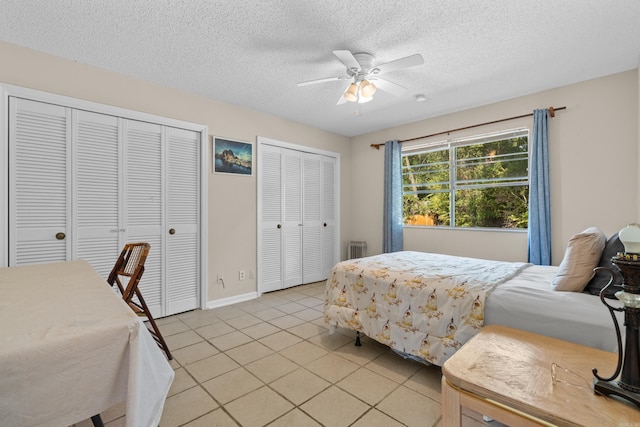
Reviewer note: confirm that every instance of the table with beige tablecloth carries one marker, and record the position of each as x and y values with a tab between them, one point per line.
71	348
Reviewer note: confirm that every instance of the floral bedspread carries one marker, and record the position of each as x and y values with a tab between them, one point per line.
421	304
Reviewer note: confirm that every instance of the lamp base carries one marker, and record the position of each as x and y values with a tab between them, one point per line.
608	388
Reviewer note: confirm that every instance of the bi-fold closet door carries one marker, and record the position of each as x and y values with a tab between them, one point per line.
319	232
82	184
297	217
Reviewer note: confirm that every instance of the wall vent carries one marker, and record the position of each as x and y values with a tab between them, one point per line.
356	249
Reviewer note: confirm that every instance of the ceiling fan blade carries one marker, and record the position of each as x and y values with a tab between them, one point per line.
347	59
398	64
342	99
327	79
387	86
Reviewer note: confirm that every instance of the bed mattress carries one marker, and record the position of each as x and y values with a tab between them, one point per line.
528	302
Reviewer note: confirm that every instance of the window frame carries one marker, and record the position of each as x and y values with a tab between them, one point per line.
451	146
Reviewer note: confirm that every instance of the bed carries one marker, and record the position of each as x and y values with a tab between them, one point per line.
426	306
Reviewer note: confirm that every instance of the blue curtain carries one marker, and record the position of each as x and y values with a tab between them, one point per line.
539	210
392	218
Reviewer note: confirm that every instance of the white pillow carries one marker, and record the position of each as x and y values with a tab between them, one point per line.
581	257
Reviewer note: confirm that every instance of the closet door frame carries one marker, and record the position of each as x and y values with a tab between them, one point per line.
7	91
304	149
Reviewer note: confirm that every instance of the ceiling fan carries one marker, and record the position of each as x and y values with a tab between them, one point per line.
364	75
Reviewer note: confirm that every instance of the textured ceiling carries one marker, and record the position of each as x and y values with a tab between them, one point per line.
253	52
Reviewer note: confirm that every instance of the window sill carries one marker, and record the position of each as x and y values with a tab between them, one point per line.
492	230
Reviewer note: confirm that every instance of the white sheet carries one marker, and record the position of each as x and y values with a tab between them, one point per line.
71	348
529	303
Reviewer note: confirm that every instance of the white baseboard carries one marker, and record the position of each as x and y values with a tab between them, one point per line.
232	300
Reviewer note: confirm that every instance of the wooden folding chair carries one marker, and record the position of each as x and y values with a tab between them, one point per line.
130	264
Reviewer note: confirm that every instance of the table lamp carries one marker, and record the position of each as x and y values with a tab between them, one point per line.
628	384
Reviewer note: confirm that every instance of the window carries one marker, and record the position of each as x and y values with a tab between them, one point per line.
481	181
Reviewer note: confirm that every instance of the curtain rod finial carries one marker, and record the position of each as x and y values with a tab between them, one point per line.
376	146
552	112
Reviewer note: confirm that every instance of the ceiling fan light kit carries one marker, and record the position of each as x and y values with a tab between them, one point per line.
364	74
360	92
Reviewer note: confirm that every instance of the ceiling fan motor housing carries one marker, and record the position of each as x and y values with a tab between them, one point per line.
366	62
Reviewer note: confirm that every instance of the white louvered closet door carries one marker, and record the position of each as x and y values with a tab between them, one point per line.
39	189
312	213
292	217
82	184
97	188
143	203
330	254
270	240
183	220
297	191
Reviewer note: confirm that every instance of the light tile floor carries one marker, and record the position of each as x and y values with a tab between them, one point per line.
272	362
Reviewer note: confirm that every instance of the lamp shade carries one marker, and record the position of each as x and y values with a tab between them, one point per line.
351	94
630	238
367	89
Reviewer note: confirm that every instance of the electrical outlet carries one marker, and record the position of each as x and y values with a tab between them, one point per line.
242	275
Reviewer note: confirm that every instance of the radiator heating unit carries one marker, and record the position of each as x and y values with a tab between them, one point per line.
356	249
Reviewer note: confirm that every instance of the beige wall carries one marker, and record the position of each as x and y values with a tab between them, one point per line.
231	199
593	168
594	160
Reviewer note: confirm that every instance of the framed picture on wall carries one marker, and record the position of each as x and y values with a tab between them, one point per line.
232	157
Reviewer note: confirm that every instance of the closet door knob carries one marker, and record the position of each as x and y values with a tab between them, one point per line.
60	236
279	226
325	224
172	231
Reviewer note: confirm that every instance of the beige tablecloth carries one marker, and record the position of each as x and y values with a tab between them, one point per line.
71	348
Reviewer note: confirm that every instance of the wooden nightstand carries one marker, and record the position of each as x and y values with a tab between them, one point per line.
505	374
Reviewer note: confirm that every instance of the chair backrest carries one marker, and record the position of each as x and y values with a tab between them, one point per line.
130	264
126	274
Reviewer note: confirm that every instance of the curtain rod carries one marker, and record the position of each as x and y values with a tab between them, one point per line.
552	113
